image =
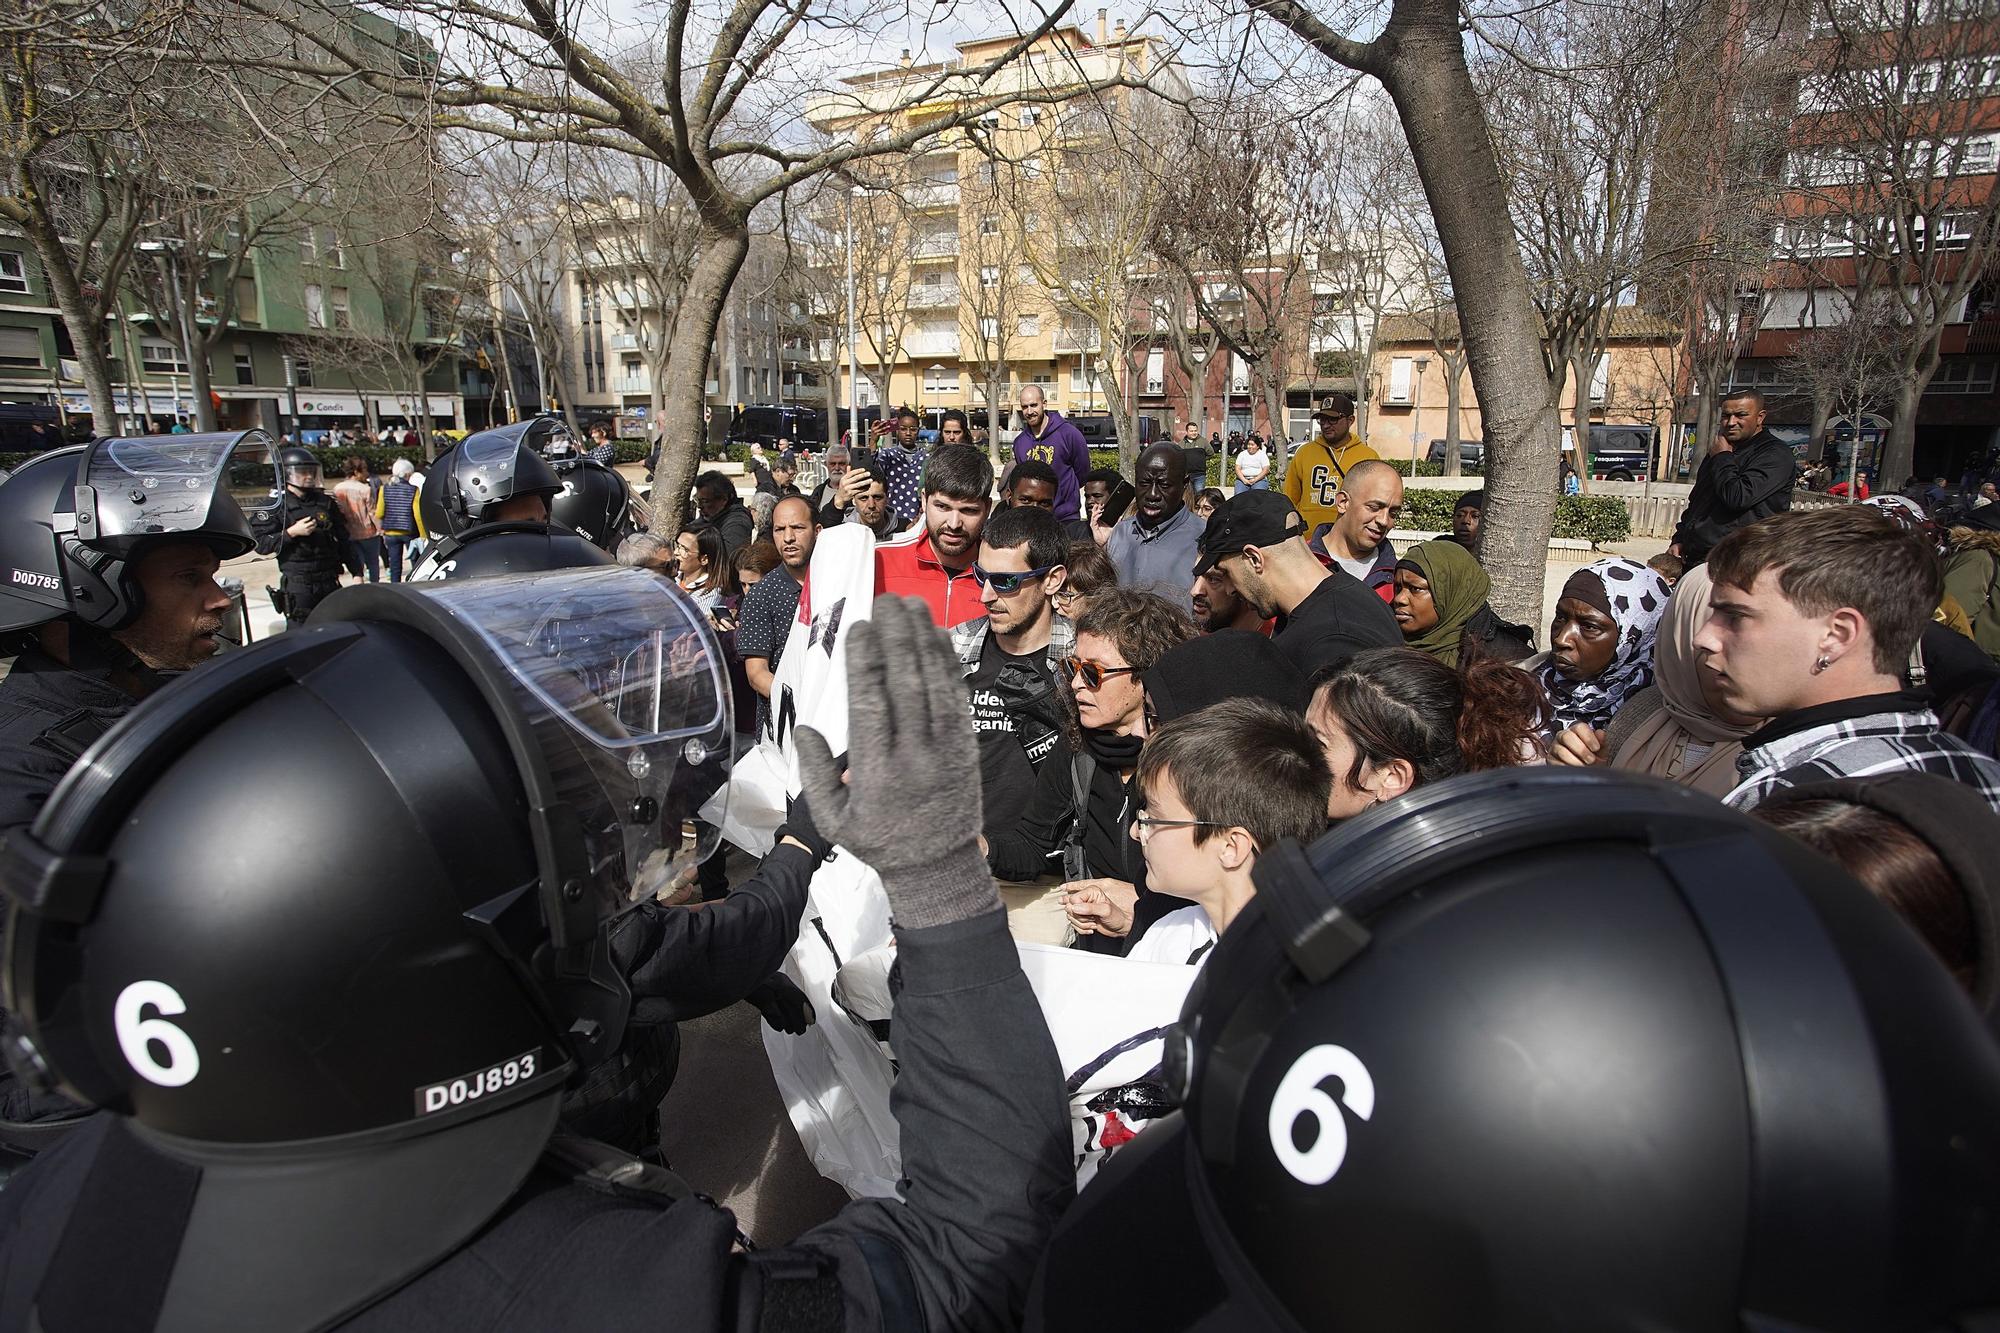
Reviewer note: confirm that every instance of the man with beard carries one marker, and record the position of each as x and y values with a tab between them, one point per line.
871	508
1218	606
1370	500
1046	436
935	562
1155	549
1012	658
1746	476
764	620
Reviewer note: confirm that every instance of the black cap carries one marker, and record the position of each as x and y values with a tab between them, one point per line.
1253	518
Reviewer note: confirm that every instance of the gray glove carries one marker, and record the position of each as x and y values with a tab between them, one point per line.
910	806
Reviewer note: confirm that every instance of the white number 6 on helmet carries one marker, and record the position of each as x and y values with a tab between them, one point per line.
1299	1094
136	1033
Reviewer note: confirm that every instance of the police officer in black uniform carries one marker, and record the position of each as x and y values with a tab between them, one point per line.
305	532
331	1095
100	606
1543	1049
492	476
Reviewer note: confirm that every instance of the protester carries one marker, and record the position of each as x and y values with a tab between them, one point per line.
833	498
762	505
782	479
902	463
1218	788
1600	643
1013	656
1814	618
1108	498
1923	844
702	565
397	516
1082	811
1090	574
1746	476
935	561
1046	436
1315	471
1258	540
765	619
1205	502
1229	664
355	494
1393	719
1669	567
1369	501
953	428
1465	519
716	501
1218	606
1253	467
1155	549
1440	606
871	508
1972	574
1031	482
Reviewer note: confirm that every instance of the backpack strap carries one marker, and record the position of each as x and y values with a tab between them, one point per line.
1082	771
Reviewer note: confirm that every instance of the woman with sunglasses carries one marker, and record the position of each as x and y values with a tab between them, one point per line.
1079	819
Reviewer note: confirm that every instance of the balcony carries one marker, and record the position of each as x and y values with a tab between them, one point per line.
1069	340
927	297
630	384
935	247
626	342
931	344
932	194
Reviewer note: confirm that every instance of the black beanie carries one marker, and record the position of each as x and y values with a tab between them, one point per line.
1229	664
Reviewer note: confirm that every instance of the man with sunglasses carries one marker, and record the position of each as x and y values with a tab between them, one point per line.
1012	657
1155	549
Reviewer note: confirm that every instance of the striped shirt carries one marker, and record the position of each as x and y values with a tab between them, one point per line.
1899	736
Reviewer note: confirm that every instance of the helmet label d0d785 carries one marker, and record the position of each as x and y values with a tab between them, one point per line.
477	1085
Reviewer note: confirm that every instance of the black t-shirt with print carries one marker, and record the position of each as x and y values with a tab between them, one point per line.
1016	715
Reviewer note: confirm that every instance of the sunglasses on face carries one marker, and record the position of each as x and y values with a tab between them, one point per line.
1093	674
1005	583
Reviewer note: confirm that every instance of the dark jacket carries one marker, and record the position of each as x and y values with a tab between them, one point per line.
1752	481
1496	638
737	527
49	715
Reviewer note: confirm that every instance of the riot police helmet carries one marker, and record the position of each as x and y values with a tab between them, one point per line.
302	469
74	522
594	502
1540	1049
326	1077
508	548
490	476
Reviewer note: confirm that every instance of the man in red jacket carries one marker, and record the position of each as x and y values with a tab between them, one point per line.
935	562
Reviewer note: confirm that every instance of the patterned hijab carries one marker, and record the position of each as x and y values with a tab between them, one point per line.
1635	597
1458	589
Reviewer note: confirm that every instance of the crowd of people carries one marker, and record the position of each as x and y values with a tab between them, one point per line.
1130	703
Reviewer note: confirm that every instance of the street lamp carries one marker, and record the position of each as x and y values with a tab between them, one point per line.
1417	411
1199	355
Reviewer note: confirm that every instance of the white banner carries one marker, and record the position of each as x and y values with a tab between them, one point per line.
1105	1014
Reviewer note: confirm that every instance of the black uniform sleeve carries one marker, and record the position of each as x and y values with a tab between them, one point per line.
985	1139
1023	854
1744	480
267	526
702	961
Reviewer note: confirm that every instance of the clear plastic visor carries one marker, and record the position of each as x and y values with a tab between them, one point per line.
156	484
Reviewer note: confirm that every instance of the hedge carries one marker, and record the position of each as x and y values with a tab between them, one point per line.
1591	518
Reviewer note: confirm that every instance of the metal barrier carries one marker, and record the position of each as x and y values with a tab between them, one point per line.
236	620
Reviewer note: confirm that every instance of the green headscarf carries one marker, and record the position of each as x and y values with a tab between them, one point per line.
1458	587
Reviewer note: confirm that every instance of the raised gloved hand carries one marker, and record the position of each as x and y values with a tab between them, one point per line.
910	806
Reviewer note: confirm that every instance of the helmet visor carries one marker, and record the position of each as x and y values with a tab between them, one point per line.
626	694
156	485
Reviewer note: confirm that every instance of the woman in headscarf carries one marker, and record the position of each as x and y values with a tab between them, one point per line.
1600	644
1678	728
1440	605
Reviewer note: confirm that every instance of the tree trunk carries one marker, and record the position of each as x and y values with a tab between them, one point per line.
1422	63
1822	416
1197	408
1582	366
199	381
83	317
1704	431
993	423
1899	450
1454	396
1274	407
721	250
504	369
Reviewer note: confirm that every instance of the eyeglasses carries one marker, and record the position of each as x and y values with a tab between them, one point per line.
1144	825
1005	583
1093	674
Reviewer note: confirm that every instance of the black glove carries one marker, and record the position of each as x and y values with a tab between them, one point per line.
799	824
784	1006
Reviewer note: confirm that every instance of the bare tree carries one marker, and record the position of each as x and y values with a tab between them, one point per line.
991	268
513	216
1856	365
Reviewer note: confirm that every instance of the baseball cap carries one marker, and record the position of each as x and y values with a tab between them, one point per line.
1334	405
1254	518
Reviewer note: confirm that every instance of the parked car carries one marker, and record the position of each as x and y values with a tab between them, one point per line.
1471	455
1099	431
1617	453
785	427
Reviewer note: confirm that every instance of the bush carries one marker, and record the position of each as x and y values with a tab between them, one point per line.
1421	467
1591	518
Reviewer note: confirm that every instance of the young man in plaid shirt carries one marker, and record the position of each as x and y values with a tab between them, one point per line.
1815	615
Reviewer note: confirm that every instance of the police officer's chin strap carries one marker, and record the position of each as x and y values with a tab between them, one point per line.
98	653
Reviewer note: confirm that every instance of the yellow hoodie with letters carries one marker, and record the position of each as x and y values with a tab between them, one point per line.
1314	473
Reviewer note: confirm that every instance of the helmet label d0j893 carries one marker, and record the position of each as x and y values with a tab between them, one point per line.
479	1084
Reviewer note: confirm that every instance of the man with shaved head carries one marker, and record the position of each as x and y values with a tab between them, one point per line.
1154	550
1369	501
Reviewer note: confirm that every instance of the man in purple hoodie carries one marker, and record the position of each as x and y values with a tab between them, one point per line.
1046	436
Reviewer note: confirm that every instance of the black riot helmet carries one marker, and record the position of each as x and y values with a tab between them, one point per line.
74	521
508	548
336	1076
474	480
301	469
594	501
1538	1049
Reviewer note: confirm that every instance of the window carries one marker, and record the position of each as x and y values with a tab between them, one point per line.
315	306
989	277
1156	370
1239	374
309	246
884	234
20	347
1025	274
940	379
1081	378
247	309
1032	168
341	314
1031	222
302	372
1030	117
1962	376
1041	377
989	329
160	358
333	255
246	369
13	271
988	173
1400	369
1600	379
1029	326
989	224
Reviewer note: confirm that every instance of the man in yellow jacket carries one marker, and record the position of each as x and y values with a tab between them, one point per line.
1317	467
